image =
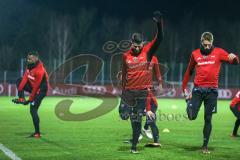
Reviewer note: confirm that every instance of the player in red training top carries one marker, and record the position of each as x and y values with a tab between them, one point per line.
207	62
34	81
135	79
151	105
235	108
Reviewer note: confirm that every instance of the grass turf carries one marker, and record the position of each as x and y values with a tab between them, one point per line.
102	138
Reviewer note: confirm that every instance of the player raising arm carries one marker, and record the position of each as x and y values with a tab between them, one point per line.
135	78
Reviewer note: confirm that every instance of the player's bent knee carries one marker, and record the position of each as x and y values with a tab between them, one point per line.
192	118
191	114
124	111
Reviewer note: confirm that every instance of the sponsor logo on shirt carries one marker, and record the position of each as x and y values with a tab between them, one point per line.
136	65
206	63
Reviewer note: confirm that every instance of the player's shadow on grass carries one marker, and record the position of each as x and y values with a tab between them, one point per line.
49	142
43	139
26	134
189	147
22	133
127	148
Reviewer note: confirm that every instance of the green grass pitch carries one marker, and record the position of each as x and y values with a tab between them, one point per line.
102	138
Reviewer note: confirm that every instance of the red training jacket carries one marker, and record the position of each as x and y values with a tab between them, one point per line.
34	77
135	72
207	68
154	67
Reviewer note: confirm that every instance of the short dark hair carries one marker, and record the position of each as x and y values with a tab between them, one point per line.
34	53
137	38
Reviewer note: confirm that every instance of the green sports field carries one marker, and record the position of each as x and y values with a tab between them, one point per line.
102	138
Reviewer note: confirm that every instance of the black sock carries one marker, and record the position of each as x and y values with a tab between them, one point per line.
146	126
35	118
236	126
155	132
136	126
21	94
207	129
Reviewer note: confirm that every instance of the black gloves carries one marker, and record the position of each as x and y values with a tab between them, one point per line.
26	102
157	16
21	101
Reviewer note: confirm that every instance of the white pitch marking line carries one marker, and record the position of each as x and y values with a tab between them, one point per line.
9	153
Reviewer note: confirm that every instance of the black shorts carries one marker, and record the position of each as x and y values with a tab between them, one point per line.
132	97
38	97
133	104
208	96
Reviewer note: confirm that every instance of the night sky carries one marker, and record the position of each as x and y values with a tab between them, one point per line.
24	24
173	9
13	13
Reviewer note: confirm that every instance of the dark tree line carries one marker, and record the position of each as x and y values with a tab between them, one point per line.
59	36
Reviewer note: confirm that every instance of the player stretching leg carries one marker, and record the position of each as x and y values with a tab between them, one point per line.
206	61
135	79
151	106
154	67
34	81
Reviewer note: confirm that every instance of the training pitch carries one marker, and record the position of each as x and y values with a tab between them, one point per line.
102	138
